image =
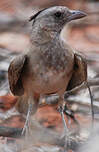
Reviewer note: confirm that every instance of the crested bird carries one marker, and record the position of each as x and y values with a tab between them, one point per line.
47	67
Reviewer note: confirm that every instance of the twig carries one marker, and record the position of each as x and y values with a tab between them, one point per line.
10	132
92	106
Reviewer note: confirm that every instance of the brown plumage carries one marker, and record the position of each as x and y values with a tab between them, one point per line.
50	65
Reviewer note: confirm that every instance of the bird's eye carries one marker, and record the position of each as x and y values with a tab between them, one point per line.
58	14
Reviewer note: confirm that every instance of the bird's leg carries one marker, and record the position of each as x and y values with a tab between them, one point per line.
27	122
70	113
33	102
61	110
66	131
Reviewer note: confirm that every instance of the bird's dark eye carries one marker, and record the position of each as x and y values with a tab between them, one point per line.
58	14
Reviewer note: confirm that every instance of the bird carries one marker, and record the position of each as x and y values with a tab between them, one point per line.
47	67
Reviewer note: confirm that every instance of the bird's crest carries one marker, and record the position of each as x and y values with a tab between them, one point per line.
33	17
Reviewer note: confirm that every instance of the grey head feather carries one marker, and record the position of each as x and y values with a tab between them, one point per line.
33	17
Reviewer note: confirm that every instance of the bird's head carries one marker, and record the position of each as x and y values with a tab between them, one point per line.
54	18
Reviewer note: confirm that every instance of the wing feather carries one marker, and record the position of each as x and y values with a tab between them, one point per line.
79	73
15	73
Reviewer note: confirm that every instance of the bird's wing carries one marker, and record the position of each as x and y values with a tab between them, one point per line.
79	72
14	74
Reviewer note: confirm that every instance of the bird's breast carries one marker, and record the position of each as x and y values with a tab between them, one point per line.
50	82
49	70
44	80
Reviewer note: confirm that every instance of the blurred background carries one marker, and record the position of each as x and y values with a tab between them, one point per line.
82	35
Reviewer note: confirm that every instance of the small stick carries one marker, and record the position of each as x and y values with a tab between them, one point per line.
92	106
10	132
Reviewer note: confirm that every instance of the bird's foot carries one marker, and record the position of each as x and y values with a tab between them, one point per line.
67	142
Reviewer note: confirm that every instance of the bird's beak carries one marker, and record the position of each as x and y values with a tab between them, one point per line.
76	15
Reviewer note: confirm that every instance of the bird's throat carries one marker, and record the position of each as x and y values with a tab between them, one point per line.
43	35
